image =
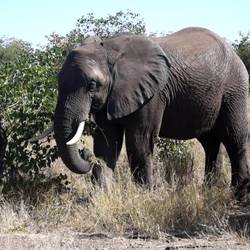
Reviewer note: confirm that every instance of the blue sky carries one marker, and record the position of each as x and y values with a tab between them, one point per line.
32	20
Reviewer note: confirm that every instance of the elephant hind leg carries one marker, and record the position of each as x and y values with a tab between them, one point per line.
213	155
234	137
237	152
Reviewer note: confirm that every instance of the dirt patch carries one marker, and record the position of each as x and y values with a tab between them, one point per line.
89	242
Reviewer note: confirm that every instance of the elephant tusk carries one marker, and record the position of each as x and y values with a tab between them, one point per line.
42	135
77	135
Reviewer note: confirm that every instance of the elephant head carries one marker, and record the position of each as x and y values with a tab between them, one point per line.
117	76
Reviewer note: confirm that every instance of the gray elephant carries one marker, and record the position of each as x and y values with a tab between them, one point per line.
190	84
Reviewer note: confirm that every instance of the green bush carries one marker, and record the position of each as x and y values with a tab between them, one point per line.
242	48
177	160
28	89
111	25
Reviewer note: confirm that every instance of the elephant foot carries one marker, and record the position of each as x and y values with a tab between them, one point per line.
102	176
242	193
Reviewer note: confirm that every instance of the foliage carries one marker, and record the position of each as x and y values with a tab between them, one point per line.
177	157
172	149
11	47
106	27
242	48
27	99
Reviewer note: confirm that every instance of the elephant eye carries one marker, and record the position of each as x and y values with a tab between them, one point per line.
92	86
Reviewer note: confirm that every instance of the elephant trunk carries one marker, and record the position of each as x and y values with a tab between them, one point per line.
64	131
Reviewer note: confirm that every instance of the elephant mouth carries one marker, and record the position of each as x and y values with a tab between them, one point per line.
96	106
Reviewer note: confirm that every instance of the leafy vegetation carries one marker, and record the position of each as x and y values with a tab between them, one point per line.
28	95
242	47
106	27
10	48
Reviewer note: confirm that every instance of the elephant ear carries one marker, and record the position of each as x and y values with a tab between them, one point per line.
140	70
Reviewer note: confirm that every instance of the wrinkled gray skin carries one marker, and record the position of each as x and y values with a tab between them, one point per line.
190	84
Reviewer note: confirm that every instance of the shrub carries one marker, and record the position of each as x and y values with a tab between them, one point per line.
27	98
177	159
242	48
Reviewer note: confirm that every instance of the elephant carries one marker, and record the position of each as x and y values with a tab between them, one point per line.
189	84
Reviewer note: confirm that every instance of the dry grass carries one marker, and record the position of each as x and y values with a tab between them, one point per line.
127	209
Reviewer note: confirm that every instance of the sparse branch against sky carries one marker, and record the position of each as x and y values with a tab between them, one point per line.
33	20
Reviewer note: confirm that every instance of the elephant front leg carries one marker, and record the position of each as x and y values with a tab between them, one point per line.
107	146
140	151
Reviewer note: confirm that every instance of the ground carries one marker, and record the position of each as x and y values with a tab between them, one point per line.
101	242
